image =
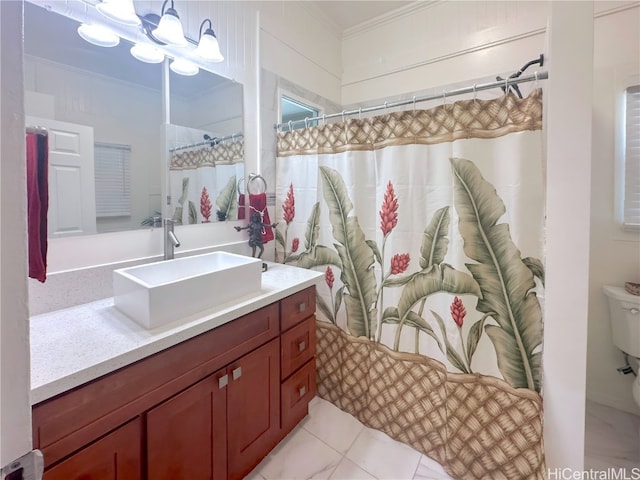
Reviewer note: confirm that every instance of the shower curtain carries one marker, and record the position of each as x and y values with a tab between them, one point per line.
428	225
204	182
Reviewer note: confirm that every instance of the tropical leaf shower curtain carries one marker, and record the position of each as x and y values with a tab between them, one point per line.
428	225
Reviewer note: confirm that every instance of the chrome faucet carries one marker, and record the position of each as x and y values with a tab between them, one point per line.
170	239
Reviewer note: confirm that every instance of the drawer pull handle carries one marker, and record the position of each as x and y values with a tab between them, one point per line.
223	381
302	307
301	346
301	391
236	373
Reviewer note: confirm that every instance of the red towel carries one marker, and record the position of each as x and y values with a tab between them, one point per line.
37	204
258	203
241	207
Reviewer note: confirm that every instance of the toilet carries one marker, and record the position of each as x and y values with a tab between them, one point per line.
624	312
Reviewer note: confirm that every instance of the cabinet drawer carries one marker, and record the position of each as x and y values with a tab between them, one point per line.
297	346
297	307
297	392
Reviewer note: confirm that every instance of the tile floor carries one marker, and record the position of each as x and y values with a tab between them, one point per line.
331	444
612	438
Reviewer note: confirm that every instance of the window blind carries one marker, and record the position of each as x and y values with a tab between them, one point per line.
113	180
632	159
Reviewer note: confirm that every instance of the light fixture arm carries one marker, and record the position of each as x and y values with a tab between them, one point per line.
164	4
202	25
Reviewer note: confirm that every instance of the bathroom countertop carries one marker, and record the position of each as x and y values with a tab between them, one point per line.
75	345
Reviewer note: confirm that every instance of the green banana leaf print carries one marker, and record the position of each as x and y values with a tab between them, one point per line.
356	257
227	200
505	281
177	214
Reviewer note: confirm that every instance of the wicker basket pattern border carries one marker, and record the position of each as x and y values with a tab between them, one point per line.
222	154
444	123
475	426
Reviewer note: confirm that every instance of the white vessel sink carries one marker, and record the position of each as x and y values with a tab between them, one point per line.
159	293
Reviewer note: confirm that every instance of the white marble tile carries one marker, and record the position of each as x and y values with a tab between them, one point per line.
347	470
336	428
383	457
299	456
429	469
612	438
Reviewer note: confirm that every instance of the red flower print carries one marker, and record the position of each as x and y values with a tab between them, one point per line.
288	207
328	277
205	205
389	211
399	263
295	243
458	311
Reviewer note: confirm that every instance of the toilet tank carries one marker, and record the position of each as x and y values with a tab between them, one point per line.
624	313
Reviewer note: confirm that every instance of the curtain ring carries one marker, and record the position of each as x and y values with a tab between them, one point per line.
414	103
475	93
343	112
536	75
324	119
233	138
444	99
306	119
506	86
290	127
360	113
385	108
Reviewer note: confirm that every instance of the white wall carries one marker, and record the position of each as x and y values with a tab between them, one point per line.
615	254
435	44
298	43
15	409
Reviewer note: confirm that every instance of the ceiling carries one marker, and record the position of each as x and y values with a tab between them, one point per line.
349	13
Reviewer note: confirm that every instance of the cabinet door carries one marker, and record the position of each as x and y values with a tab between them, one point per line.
115	456
186	435
253	408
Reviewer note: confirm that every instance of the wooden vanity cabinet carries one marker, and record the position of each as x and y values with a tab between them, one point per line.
112	457
211	407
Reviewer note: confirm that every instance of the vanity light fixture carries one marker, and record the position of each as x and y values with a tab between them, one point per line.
208	47
169	28
98	35
121	11
147	53
184	67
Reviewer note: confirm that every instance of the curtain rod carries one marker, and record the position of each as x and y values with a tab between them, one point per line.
36	129
210	141
459	91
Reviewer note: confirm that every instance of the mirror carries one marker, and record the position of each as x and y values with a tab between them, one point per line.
108	147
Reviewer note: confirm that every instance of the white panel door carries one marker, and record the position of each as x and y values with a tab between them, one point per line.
72	204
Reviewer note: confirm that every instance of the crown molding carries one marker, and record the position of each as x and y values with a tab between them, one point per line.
389	17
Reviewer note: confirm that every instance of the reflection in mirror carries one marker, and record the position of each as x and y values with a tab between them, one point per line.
103	111
206	149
